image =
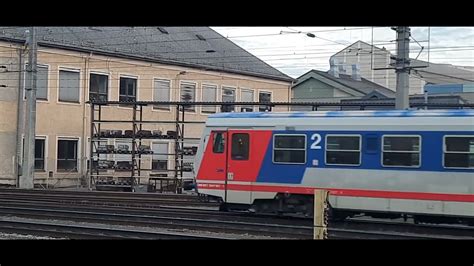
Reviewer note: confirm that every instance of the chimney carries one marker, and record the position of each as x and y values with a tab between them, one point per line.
356	72
333	70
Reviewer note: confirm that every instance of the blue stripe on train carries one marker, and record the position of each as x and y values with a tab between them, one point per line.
431	155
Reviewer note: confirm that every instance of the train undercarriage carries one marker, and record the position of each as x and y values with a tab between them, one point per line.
303	206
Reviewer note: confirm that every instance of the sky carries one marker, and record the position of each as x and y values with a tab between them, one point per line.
292	52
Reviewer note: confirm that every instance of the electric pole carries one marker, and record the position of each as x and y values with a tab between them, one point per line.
402	68
28	169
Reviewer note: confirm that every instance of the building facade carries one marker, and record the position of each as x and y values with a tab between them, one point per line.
334	87
69	75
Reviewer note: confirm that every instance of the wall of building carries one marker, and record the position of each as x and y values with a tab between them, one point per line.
311	89
369	60
8	114
56	119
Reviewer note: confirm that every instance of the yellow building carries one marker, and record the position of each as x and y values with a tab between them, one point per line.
76	64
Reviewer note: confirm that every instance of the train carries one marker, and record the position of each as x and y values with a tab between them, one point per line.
383	164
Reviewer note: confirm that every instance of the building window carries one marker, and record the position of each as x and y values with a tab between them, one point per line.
160	156
342	150
209	94
459	152
219	142
228	95
39	154
161	93
98	87
247	96
128	90
69	86
401	151
188	94
289	149
264	97
240	146
41	82
67	155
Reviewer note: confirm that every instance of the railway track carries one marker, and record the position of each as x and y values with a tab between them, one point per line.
82	231
165	216
106	198
163	220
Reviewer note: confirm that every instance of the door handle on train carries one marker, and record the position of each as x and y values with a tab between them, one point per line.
220	170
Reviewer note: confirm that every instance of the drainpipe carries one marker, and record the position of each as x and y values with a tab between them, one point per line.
19	119
84	118
289	96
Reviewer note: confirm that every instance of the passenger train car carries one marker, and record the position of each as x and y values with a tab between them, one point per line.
379	163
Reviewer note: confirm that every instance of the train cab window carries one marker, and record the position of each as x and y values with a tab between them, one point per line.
289	149
343	150
458	152
219	142
240	146
401	151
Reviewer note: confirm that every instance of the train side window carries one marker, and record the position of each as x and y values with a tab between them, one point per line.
289	149
458	152
401	151
240	146
343	150
219	142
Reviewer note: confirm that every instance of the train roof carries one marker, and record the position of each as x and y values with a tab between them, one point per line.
348	114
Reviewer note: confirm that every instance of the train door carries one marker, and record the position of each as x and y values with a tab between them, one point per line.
216	165
211	175
240	170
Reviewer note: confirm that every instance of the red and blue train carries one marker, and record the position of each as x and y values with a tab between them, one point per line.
378	163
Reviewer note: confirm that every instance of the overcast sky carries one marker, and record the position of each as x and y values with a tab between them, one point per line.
295	53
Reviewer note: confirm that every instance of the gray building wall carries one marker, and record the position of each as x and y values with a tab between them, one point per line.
8	114
312	88
361	53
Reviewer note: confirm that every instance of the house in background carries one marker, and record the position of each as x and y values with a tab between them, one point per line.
370	57
334	86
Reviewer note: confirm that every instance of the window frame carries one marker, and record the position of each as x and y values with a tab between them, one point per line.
342	135
242	90
193	83
232	88
456	152
203	112
136	89
170	95
48	79
213	134
78	154
271	100
290	135
403	166
69	69
232	146
108	84
45	153
167	155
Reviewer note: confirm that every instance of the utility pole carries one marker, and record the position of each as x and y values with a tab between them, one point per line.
402	67
26	180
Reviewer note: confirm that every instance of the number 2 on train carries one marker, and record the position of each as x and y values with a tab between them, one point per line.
317	139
